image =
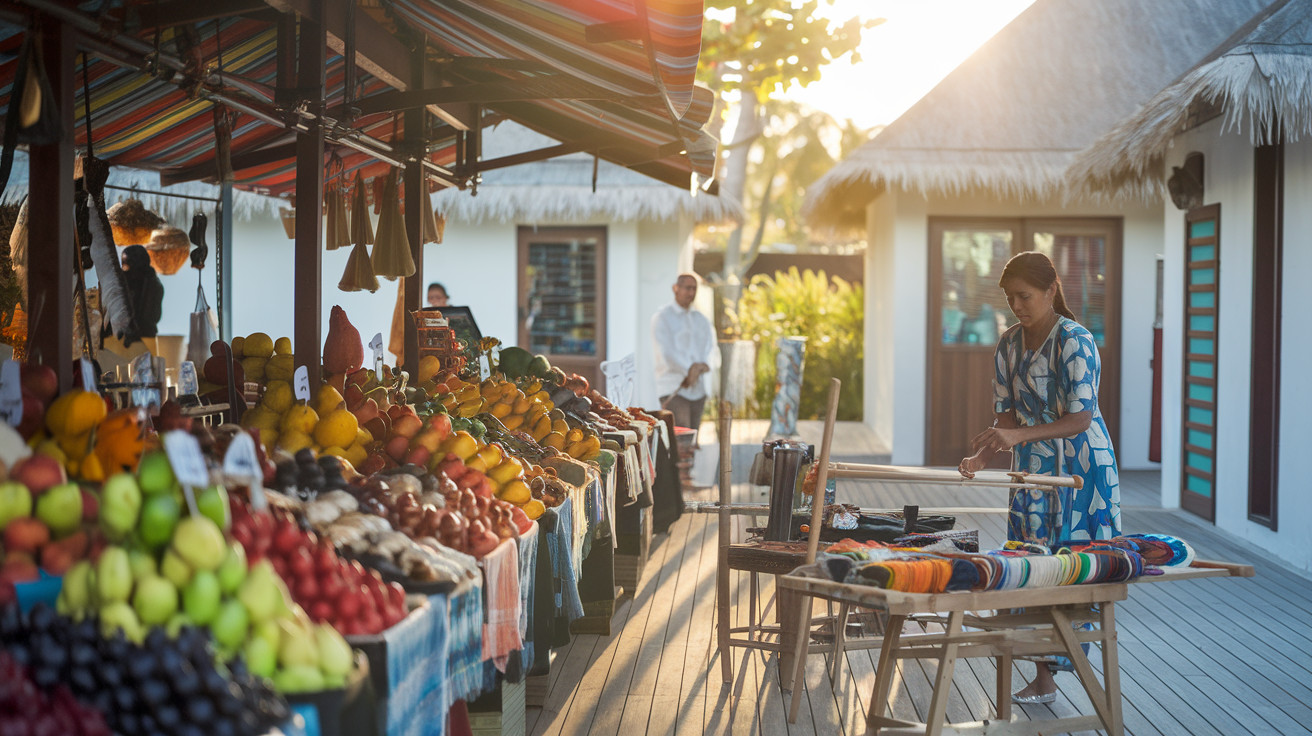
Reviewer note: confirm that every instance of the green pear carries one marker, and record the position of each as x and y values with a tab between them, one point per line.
260	592
200	542
201	597
155	600
233	569
15	502
176	622
212	503
119	615
76	591
299	646
269	631
155	473
298	679
113	576
230	624
120	505
61	508
159	517
175	569
334	653
261	657
142	564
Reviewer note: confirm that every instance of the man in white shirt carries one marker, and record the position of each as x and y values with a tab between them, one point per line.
684	339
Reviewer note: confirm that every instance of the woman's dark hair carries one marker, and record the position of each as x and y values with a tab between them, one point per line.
137	258
1036	269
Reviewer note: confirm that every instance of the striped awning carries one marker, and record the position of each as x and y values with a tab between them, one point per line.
641	108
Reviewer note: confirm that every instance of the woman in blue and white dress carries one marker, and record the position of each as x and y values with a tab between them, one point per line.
1045	398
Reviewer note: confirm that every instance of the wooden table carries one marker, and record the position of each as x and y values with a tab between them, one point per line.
992	624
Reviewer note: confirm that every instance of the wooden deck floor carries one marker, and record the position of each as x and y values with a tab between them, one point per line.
1217	656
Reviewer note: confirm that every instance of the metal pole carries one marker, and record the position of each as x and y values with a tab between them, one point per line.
224	246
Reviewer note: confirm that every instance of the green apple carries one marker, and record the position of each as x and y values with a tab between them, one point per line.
201	597
298	679
175	569
200	542
335	656
155	600
233	569
142	564
212	503
113	576
119	615
261	657
120	505
15	502
260	592
159	517
155	474
60	508
230	624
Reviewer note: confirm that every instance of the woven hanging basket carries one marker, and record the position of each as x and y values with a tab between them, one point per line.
131	223
168	248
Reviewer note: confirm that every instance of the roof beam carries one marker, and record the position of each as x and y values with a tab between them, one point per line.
509	91
540	154
377	51
182	12
240	161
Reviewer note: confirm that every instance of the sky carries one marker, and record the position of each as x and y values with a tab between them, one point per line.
904	57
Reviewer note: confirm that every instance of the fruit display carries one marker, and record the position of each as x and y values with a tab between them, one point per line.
70	421
324	425
328	587
44	522
168	685
26	708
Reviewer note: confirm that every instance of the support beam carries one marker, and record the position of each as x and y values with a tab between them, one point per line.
414	198
510	91
225	272
540	154
308	342
183	12
240	161
50	225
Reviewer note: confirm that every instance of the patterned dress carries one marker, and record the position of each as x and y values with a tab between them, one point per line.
1041	386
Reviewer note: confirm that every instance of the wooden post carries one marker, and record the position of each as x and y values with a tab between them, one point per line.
308	341
52	256
224	246
414	201
722	581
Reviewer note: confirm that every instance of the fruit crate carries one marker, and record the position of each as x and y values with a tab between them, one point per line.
45	590
346	711
375	647
500	712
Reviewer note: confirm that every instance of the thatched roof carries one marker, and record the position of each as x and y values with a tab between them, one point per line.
560	189
1260	75
1011	118
177	211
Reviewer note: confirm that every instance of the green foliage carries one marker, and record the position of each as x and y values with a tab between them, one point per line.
830	313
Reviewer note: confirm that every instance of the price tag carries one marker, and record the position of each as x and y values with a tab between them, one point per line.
188	385
241	463
484	368
620	375
302	383
89	382
188	464
376	345
11	393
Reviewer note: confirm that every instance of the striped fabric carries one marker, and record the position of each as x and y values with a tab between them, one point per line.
652	124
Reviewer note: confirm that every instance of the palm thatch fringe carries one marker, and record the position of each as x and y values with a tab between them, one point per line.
563	203
1253	89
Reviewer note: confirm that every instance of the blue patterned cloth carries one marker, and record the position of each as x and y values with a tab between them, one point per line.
1040	387
563	562
417	650
465	676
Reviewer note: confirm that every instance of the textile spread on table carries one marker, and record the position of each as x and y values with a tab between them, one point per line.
566	561
416	672
503	606
528	562
465	662
668	491
1041	386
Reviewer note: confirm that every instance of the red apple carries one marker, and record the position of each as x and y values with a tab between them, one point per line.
90	506
18	567
26	535
320	611
306	589
41	380
38	472
34	415
418	455
407	425
397	447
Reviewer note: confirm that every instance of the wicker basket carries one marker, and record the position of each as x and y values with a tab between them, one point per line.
131	223
168	249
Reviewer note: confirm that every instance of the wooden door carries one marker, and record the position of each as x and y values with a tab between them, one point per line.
968	312
562	297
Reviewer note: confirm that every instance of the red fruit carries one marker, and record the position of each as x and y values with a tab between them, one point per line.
279	566
242	534
397	446
38	472
41	380
392	617
287	538
25	534
306	590
34	415
301	563
325	558
453	467
371	623
441	423
18	567
56	559
348	606
396	595
321	611
358	572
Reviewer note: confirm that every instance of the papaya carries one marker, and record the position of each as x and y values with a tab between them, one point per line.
514	361
343	352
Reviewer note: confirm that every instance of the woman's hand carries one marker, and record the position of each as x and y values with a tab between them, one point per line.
996	439
971	465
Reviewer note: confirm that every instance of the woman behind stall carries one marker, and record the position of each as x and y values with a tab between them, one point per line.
1045	398
145	291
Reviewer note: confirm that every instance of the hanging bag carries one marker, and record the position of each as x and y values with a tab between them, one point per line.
204	330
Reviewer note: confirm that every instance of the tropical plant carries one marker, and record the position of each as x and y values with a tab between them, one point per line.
829	312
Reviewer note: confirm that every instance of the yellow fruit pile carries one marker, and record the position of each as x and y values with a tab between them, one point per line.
528	409
326	426
69	423
508	475
263	359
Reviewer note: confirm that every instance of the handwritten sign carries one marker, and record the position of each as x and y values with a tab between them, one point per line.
242	464
11	393
484	368
188	464
188	384
376	345
620	379
89	382
302	383
145	391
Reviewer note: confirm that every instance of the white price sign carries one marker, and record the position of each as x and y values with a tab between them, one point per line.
376	345
302	383
11	393
242	464
89	382
188	464
620	378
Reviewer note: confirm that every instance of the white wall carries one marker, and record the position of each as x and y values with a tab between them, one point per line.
897	275
1228	180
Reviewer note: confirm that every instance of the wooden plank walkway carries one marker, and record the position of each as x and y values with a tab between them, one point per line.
1215	656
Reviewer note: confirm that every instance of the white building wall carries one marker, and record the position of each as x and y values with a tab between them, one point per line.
897	292
1228	180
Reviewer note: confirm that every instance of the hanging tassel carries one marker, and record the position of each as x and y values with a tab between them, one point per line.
338	230
359	274
429	227
391	257
362	232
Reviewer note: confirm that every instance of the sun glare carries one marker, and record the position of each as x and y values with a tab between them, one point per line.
904	57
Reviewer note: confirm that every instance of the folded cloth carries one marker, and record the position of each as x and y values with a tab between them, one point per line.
501	634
